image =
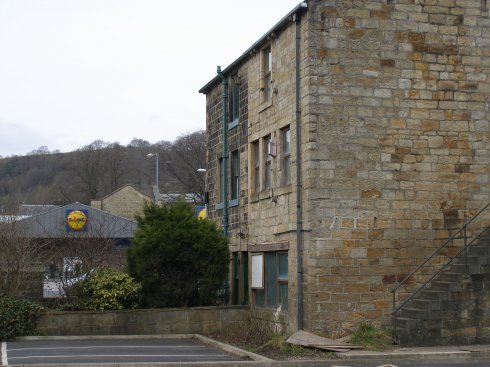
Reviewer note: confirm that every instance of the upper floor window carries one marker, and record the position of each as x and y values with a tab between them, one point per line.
234	100
235	174
256	166
267	73
286	155
267	162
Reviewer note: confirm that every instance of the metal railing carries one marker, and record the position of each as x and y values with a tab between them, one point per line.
462	233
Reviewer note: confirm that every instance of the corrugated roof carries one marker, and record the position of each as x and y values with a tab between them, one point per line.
52	224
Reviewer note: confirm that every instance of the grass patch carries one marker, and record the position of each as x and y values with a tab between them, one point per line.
371	337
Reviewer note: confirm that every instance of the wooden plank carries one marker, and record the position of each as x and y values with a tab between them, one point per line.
307	339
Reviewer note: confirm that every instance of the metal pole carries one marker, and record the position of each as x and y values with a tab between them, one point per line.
156	170
224	180
299	210
467	266
394	318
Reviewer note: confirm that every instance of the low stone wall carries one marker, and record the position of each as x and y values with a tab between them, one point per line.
199	320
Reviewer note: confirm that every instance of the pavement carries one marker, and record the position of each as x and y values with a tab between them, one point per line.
444	353
453	353
387	358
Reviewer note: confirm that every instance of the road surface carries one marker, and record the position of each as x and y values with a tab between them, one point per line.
110	351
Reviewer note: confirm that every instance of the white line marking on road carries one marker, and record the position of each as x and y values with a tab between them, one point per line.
111	346
4	354
122	355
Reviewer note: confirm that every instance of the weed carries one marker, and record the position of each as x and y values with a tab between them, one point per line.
257	337
372	337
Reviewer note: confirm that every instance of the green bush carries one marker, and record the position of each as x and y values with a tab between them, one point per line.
180	261
108	289
17	317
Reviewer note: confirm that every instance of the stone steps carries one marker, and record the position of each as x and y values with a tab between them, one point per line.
438	306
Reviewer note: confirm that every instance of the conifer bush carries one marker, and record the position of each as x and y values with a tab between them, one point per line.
181	261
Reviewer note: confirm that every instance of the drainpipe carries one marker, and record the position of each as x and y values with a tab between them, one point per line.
224	156
299	213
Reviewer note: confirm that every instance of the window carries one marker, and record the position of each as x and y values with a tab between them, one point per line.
267	163
274	290
267	72
256	167
286	155
234	102
235	175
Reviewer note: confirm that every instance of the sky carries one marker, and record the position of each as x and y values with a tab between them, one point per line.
75	71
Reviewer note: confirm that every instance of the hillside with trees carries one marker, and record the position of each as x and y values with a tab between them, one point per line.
97	169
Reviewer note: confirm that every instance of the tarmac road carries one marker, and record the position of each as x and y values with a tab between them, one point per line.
110	351
160	350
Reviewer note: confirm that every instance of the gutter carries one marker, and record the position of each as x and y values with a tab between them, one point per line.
252	49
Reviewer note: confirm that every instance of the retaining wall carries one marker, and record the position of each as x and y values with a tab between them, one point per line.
200	320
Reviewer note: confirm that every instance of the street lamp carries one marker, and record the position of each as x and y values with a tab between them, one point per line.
156	166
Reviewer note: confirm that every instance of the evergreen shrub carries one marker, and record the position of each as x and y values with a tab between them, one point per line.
17	317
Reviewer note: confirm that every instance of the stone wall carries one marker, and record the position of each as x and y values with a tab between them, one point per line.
396	145
201	320
126	202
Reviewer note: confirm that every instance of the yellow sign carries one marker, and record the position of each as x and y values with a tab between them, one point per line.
202	214
76	220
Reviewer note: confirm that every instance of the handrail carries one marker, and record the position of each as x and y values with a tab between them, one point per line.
449	240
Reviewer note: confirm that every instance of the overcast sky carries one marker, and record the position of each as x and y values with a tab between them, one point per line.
73	71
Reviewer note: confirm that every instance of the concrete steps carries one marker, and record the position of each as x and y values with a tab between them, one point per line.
442	307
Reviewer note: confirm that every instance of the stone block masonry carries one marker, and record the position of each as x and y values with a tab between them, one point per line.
394	143
399	97
201	320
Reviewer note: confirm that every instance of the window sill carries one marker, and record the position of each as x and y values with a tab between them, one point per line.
270	193
233	124
265	105
284	311
231	204
283	190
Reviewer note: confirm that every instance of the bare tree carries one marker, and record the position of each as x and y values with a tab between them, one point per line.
20	265
139	143
90	170
101	167
189	154
114	167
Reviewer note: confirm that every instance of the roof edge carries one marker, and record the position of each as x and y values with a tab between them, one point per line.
279	25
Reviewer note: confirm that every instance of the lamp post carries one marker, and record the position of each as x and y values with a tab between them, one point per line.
156	167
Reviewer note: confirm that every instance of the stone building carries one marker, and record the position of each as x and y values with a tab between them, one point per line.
125	201
356	137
